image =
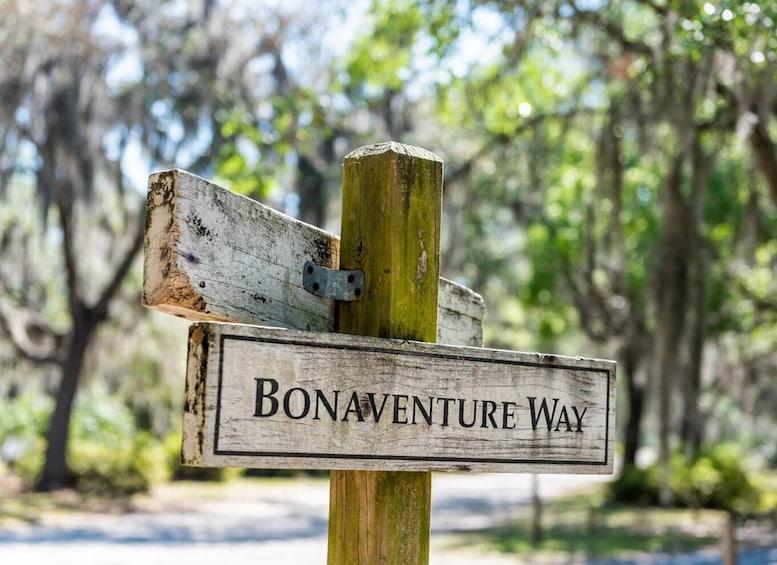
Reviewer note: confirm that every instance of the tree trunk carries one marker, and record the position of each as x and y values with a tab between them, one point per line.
56	473
765	156
632	359
671	293
690	424
84	319
636	402
311	189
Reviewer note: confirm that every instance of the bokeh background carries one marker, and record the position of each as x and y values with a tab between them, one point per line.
610	189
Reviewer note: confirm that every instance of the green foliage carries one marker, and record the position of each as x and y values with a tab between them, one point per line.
635	485
717	478
558	121
108	454
767	486
24	417
579	528
704	25
575	540
383	58
240	163
100	418
179	472
130	466
23	422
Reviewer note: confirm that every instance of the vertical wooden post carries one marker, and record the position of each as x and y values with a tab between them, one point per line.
536	511
728	540
392	195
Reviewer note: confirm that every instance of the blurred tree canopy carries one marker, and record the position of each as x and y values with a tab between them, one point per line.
92	91
613	177
611	174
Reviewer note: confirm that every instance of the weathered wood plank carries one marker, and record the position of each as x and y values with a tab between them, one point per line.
392	207
460	314
211	254
445	408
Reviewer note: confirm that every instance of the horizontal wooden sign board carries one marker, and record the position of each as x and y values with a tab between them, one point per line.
270	398
213	255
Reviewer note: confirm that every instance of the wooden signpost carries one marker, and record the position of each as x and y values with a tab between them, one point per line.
272	398
380	411
214	255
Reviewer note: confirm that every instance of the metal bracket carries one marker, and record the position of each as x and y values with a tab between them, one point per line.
346	286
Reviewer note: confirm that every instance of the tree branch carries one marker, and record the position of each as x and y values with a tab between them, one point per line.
613	30
65	209
762	304
759	139
100	308
765	156
458	173
660	10
587	301
30	335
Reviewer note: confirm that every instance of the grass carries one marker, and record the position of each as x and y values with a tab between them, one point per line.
20	505
31	507
597	543
582	527
612	543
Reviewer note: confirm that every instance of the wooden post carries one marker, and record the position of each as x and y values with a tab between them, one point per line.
392	195
203	262
536	511
728	540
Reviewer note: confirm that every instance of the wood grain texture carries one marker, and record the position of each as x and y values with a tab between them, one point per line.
392	204
211	254
228	421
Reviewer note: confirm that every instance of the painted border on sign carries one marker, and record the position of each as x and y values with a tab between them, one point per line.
430	354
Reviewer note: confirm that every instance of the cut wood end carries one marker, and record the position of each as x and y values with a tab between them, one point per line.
179	292
162	187
174	294
161	237
458	298
166	286
192	445
393	147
